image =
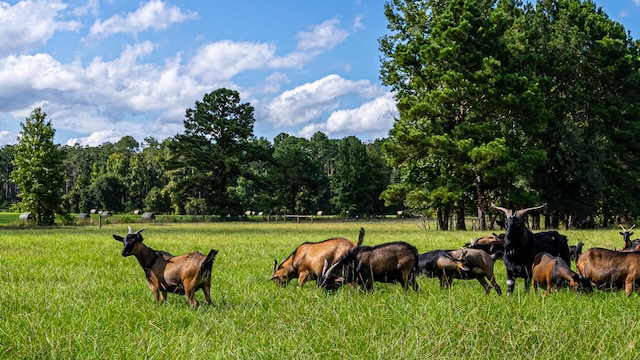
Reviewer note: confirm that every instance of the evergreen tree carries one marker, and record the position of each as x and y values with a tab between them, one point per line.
208	159
38	171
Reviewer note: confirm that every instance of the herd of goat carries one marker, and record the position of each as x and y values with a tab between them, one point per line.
543	258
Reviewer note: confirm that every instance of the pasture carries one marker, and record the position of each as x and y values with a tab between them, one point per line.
68	293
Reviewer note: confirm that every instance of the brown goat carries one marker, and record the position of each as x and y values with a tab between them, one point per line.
480	266
183	275
492	243
549	270
611	269
307	260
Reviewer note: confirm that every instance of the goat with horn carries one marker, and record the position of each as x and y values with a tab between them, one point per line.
183	274
521	246
629	245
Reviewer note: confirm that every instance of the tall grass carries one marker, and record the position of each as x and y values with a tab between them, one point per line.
68	293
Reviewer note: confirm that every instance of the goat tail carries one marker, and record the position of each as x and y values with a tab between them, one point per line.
208	261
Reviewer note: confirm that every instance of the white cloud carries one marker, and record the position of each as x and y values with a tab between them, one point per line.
374	118
310	101
222	60
323	37
99	97
357	24
29	24
7	137
152	15
98	138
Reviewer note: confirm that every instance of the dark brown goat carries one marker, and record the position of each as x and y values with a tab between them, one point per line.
549	271
480	266
307	260
575	251
440	264
183	274
394	262
611	269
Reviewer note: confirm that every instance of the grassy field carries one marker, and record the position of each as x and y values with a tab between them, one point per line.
67	293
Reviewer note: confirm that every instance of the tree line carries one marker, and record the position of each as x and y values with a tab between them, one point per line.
498	101
216	167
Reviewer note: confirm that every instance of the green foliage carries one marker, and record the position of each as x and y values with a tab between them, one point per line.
354	184
297	176
505	101
38	171
96	304
207	160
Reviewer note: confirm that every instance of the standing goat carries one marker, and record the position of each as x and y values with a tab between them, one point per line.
629	245
521	246
183	274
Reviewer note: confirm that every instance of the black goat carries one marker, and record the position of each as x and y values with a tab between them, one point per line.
521	246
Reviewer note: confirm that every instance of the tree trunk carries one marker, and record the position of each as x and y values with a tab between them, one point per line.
460	223
480	203
442	215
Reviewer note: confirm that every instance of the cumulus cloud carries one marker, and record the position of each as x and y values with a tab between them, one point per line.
7	137
29	24
98	138
153	15
374	118
98	100
222	60
310	101
323	37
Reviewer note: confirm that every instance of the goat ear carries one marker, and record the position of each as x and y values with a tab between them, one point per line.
117	237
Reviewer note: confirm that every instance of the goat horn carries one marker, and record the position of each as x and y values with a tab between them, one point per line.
506	211
275	264
523	212
139	231
324	267
634	225
129	229
623	227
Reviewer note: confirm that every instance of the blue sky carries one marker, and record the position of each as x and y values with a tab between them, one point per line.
105	69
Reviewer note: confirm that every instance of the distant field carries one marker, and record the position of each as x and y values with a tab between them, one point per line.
68	293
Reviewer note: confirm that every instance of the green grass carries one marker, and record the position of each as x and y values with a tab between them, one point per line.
67	293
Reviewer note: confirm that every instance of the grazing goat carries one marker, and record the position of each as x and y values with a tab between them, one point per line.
521	246
307	260
394	262
480	266
629	245
183	274
549	271
611	269
440	264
